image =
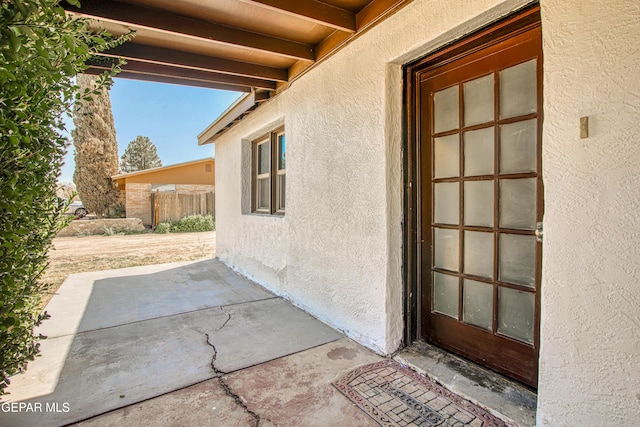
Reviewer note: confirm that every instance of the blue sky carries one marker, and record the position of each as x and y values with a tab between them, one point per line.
171	116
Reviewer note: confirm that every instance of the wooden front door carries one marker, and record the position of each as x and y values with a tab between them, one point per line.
480	197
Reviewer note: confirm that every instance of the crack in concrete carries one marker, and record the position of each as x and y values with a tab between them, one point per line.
220	378
225	322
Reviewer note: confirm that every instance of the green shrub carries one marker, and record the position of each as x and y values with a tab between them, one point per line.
188	224
194	223
41	50
163	228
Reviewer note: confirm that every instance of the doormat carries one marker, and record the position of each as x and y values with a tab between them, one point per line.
394	395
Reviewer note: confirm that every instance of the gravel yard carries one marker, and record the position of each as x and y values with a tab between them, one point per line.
94	253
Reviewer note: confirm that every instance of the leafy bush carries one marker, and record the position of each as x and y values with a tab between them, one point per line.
195	223
41	50
188	224
163	228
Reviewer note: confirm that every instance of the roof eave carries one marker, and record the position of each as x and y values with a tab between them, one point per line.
122	176
231	115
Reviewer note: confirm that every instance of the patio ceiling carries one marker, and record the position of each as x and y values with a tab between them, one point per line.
257	46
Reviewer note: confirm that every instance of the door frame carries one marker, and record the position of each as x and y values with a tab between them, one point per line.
491	34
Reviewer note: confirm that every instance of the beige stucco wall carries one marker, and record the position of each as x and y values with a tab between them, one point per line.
590	355
338	250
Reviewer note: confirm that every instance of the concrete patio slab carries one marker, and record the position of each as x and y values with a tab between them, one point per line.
102	368
102	299
203	404
294	390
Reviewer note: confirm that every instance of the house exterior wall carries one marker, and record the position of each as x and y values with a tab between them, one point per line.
194	188
138	198
590	349
191	178
138	201
196	173
337	252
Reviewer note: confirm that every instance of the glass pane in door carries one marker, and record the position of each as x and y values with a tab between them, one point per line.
478	303
515	314
518	90
478	203
517	259
446	156
478	100
446	110
446	248
478	152
447	203
518	203
518	147
478	254
445	294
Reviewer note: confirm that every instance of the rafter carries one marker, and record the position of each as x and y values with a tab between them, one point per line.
150	69
314	11
377	10
164	21
173	80
177	58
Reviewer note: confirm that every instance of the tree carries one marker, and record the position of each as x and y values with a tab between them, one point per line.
67	190
96	149
41	49
139	155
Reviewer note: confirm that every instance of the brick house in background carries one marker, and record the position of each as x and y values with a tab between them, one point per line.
189	178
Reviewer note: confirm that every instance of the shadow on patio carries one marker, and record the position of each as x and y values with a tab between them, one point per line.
120	337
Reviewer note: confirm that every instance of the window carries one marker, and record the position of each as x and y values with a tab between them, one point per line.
269	173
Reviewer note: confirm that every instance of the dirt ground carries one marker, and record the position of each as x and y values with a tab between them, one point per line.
94	253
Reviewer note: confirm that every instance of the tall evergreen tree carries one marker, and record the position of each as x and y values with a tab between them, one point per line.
96	150
139	155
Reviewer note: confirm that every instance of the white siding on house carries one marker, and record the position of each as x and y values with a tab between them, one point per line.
338	250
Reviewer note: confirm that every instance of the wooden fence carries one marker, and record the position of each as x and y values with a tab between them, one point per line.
169	206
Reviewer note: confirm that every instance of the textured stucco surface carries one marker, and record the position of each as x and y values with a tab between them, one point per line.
338	250
590	349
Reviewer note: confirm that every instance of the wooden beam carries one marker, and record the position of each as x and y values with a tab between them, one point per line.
186	73
164	21
377	10
177	58
314	11
371	14
173	80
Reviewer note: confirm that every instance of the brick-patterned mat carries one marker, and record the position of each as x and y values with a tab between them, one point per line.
397	396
